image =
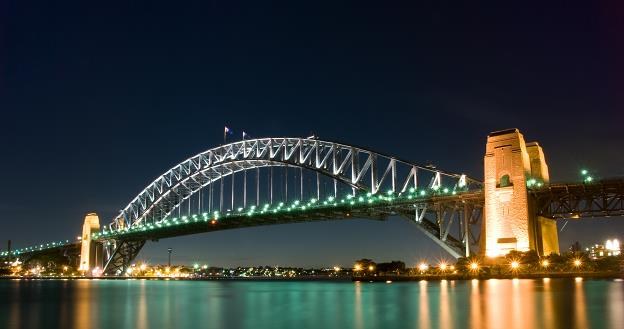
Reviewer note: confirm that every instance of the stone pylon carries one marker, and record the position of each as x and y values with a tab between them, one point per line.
510	221
90	252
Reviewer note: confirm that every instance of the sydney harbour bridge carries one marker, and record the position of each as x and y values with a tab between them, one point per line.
270	181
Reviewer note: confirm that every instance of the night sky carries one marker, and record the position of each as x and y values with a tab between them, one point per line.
96	100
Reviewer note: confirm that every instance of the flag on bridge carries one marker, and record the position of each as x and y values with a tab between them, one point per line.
245	135
227	131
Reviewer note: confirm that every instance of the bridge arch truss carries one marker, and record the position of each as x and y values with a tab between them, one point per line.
274	170
359	168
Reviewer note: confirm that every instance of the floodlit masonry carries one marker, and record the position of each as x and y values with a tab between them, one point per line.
90	250
510	164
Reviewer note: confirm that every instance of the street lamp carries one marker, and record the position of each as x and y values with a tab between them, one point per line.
577	263
515	265
474	266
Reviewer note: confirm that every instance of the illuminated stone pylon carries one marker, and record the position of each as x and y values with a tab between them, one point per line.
90	250
510	222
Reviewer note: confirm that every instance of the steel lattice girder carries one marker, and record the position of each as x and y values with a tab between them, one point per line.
339	161
454	223
122	254
598	199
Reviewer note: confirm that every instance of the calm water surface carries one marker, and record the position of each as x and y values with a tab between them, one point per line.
554	303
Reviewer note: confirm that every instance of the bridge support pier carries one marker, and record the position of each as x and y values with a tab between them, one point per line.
90	251
511	222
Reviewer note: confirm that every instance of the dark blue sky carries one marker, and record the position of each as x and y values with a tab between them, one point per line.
96	100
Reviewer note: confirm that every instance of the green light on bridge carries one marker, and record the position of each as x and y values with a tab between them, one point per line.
297	205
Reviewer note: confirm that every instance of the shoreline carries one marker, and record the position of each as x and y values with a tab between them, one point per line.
375	278
464	277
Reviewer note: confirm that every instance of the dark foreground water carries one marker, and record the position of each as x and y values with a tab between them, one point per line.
554	303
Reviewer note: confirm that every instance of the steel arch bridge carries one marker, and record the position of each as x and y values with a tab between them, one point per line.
283	180
286	180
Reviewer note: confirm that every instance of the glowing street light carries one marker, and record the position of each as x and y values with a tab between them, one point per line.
423	267
442	266
357	267
545	263
577	263
474	266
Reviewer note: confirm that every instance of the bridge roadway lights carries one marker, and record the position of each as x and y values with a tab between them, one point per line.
365	205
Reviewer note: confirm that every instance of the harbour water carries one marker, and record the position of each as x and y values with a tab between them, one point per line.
141	304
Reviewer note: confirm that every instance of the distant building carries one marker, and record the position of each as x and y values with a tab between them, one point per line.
609	248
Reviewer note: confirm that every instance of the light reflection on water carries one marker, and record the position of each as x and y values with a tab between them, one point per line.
542	303
423	302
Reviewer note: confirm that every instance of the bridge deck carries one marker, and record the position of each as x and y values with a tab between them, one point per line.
341	209
603	198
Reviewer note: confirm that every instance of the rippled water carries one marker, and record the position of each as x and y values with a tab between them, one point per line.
555	303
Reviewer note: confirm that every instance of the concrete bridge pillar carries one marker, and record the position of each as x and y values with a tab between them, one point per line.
90	251
510	221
